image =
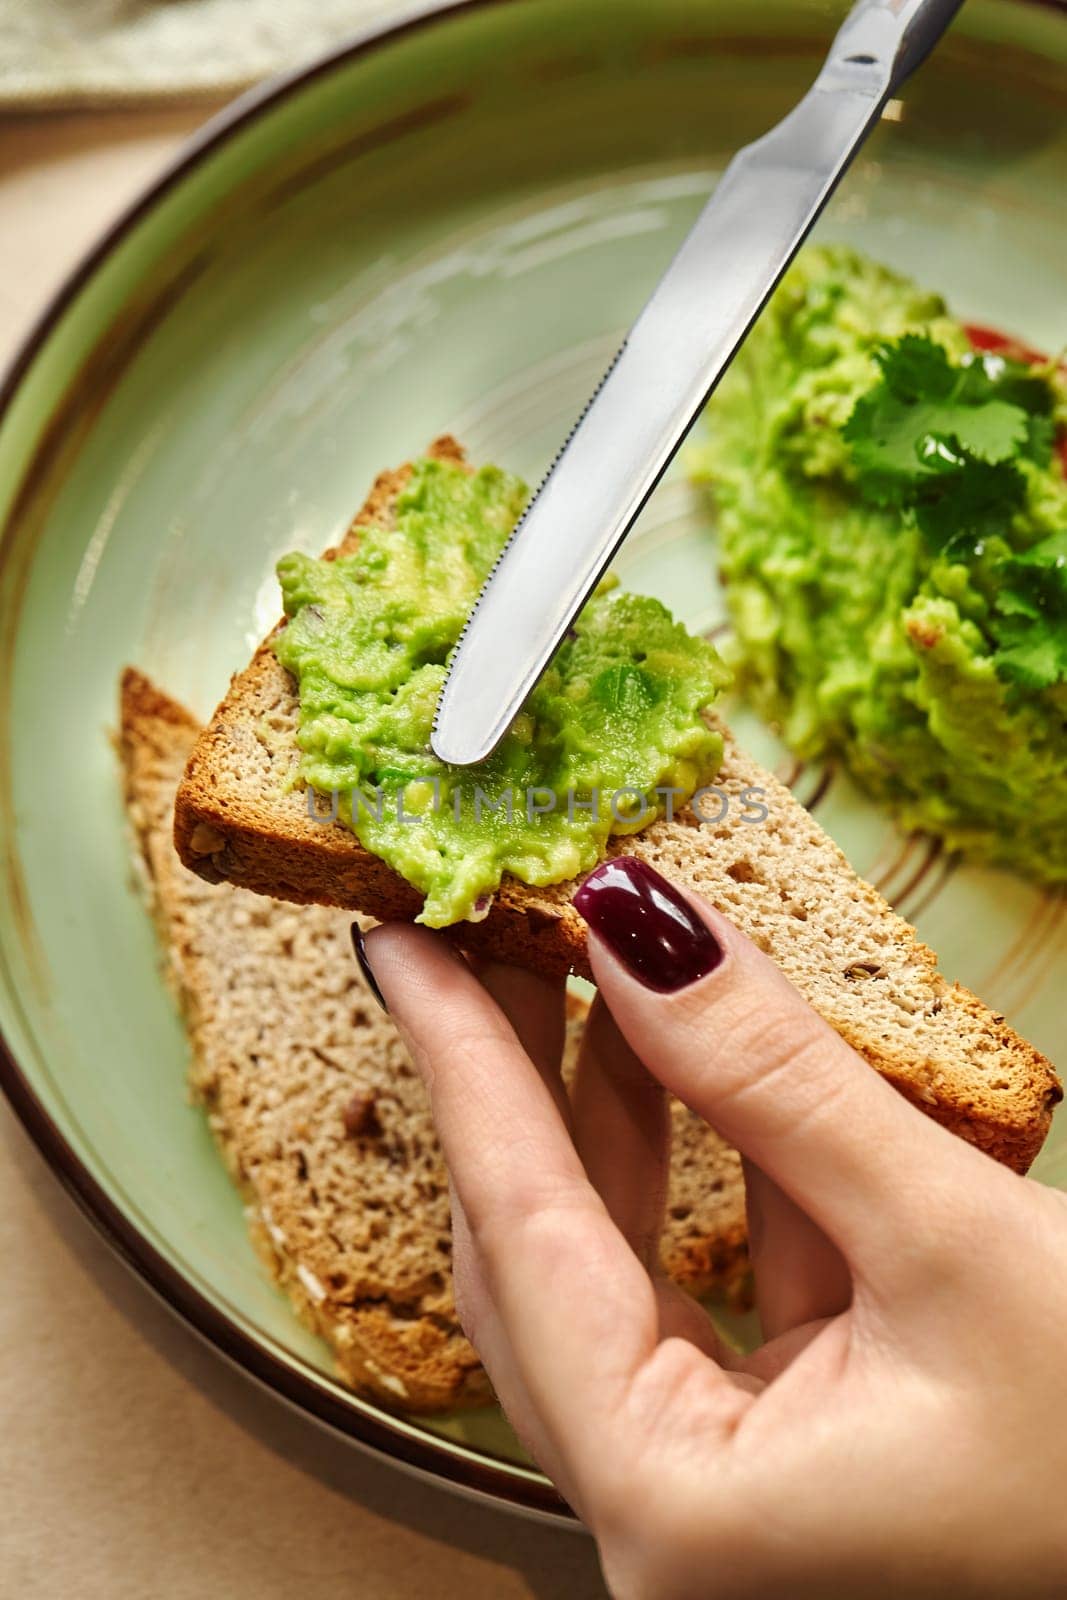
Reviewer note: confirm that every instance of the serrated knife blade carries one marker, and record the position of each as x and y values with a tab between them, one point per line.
761	212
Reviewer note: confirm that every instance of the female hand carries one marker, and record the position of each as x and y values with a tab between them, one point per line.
903	1430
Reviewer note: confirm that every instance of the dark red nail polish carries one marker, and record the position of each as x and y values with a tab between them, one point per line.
365	967
648	925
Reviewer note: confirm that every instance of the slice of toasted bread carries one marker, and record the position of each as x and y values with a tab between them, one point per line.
323	1122
239	818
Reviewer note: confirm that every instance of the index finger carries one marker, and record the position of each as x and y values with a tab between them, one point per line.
577	1307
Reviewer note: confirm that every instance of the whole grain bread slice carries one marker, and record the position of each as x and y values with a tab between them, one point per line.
239	817
323	1122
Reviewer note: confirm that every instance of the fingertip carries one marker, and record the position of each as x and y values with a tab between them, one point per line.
661	935
401	959
359	947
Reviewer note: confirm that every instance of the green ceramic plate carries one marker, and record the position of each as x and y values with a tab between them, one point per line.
447	225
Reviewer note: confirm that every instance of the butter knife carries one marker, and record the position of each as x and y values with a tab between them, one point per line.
763	209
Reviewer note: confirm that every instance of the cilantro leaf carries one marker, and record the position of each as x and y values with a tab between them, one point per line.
900	442
945	442
1029	621
1050	555
968	502
1037	660
1041	440
917	368
905	429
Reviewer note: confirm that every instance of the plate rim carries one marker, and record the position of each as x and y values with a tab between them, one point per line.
435	1460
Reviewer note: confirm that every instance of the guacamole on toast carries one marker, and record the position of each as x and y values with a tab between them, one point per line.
612	736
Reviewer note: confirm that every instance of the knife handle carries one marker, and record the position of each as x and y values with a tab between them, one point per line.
930	21
882	42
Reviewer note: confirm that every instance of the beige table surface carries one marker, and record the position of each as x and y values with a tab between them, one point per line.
134	1464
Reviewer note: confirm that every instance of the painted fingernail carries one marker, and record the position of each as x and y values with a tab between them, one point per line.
648	925
360	947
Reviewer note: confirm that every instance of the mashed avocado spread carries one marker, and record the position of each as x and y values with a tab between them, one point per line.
615	718
892	531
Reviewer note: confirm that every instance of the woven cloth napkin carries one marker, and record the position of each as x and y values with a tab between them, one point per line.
56	53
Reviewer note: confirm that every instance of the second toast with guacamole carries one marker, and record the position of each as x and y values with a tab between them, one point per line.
625	702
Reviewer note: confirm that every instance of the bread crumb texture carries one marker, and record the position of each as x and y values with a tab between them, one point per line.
322	1119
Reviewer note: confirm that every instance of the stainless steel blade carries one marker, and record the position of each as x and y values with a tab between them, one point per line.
762	210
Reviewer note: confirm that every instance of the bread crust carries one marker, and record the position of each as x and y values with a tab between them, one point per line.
238	818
